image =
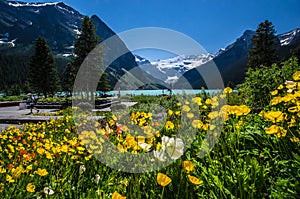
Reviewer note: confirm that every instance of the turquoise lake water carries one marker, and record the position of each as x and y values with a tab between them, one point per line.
160	92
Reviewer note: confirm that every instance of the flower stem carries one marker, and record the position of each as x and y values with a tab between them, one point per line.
162	193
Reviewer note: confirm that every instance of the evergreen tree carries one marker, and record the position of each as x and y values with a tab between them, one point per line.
26	87
68	77
296	52
265	45
87	40
260	82
103	84
43	76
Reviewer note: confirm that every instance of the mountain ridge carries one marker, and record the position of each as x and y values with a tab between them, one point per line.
232	61
169	70
21	23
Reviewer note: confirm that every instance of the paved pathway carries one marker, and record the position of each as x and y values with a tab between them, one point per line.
108	109
14	116
5	126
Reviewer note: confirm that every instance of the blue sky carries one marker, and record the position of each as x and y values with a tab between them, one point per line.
212	23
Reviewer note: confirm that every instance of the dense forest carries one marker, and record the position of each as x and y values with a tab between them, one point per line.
14	70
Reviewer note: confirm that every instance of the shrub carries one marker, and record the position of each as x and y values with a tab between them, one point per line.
261	81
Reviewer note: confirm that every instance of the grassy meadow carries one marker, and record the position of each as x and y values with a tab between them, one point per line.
208	147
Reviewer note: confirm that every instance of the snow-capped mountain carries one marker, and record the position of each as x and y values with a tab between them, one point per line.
21	23
169	70
141	61
287	38
232	60
23	4
183	63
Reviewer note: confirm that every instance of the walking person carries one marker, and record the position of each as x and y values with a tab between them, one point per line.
32	102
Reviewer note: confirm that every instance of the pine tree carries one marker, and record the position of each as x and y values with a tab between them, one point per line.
103	84
296	53
265	45
43	76
68	77
87	40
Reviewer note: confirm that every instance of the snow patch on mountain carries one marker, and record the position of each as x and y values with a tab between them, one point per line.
8	43
183	63
77	31
287	38
221	51
140	60
5	40
66	10
169	70
67	55
22	4
171	80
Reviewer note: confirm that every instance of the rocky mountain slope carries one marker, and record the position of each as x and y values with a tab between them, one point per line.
21	23
232	61
169	70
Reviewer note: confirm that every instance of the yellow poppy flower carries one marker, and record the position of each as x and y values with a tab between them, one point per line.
280	87
205	127
64	148
287	98
188	166
116	195
88	157
274	92
195	180
296	76
121	148
80	148
244	110
16	173
208	101
227	90
190	115
41	172
274	116
30	187
275	101
9	178
2	170
197	124
163	179
277	131
111	122
213	115
294	139
2	186
294	109
290	85
141	139
186	108
169	125
197	100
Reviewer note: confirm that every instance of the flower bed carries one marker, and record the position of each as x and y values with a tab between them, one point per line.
232	153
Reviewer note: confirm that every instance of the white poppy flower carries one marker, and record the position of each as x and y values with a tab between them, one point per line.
160	154
146	147
82	169
174	148
48	191
164	140
97	178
